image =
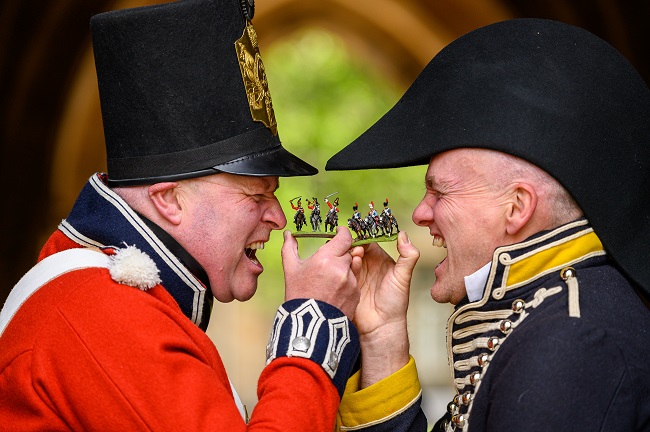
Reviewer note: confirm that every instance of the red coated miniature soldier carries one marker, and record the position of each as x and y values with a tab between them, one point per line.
332	218
299	217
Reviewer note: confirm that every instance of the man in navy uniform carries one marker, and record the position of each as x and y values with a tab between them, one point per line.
537	140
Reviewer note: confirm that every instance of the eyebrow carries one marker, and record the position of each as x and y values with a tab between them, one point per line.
264	184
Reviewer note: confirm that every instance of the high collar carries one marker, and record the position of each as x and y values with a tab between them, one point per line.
521	264
178	251
100	218
547	252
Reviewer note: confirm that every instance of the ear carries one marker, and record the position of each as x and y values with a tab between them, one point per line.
522	207
164	197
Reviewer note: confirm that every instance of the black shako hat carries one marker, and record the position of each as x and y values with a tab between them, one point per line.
184	94
549	93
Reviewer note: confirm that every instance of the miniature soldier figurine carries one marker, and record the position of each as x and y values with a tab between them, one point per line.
332	218
373	212
314	218
299	217
356	223
386	210
356	215
389	215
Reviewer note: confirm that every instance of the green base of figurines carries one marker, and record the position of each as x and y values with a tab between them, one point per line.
357	242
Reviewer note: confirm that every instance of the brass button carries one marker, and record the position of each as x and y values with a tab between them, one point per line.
518	305
483	359
492	343
567	273
505	326
459	420
467	398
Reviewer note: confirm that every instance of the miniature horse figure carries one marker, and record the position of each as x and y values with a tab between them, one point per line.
331	221
371	226
390	220
299	220
358	226
299	217
314	218
332	218
385	225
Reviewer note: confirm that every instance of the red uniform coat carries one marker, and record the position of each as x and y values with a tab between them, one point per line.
87	353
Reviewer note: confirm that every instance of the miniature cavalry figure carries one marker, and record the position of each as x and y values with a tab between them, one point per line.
373	213
387	220
314	218
357	224
299	217
372	220
356	215
332	218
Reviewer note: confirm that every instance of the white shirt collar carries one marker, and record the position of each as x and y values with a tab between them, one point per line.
475	283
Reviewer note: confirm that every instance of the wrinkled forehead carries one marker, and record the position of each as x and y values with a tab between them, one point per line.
458	165
461	158
249	184
263	184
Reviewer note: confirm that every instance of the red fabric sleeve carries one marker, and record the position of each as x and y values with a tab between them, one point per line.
295	394
111	357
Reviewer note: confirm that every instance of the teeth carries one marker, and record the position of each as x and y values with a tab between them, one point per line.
439	242
256	245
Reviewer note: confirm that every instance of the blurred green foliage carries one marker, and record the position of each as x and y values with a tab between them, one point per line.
324	97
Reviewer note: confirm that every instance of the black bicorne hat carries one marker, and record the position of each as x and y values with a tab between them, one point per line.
184	94
547	92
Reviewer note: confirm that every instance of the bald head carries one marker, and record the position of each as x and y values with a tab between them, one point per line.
554	201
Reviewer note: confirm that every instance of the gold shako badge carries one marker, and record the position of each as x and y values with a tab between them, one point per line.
254	75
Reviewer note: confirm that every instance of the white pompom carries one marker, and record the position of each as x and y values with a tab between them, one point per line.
131	266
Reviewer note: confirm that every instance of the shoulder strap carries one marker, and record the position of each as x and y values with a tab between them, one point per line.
46	270
51	268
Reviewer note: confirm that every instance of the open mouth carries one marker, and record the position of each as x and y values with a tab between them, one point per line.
439	242
251	249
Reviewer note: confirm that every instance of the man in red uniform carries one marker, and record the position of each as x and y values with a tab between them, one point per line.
107	331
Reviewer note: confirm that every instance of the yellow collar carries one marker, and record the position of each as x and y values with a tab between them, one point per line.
520	264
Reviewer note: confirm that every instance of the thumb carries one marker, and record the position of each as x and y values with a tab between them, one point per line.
408	256
289	249
340	243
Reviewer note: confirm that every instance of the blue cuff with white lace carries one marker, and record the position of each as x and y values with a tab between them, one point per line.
317	331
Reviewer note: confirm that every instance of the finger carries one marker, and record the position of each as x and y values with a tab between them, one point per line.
289	250
357	251
356	266
340	243
408	255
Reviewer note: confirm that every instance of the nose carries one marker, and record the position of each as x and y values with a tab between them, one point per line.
275	216
423	213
